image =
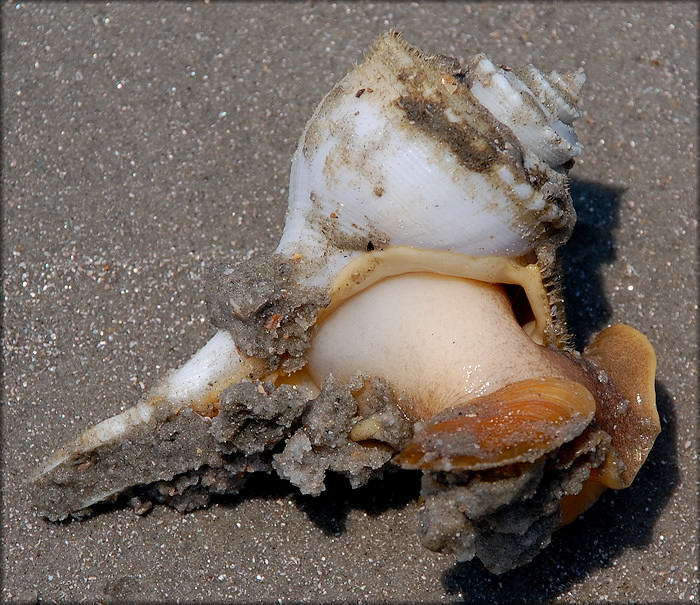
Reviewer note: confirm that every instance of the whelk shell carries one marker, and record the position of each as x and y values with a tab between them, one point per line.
411	314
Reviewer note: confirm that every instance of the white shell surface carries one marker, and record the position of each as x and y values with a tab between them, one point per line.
402	186
419	151
539	114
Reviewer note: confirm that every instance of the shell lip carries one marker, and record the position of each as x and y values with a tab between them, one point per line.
371	267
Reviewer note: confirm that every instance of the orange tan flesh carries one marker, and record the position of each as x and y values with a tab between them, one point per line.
574	505
626	410
518	423
626	355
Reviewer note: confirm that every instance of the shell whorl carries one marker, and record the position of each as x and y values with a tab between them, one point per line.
539	109
412	149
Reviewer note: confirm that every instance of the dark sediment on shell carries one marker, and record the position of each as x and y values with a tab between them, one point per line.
322	442
477	138
505	516
191	458
171	445
269	315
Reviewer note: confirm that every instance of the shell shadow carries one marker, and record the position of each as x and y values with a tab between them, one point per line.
329	510
591	245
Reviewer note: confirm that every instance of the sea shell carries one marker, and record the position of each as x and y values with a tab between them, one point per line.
411	314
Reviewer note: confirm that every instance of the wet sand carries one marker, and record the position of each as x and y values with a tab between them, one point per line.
145	143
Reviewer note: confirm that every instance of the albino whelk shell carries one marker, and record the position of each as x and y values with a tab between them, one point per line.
411	314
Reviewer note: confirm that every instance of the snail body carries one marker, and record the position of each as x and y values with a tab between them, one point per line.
410	315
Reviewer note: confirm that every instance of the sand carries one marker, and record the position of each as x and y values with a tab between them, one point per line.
145	143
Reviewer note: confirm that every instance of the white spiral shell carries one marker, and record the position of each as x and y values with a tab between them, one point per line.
411	315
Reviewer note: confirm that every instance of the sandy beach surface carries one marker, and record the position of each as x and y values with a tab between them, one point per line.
143	143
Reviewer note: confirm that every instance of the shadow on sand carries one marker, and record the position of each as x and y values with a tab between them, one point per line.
590	247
